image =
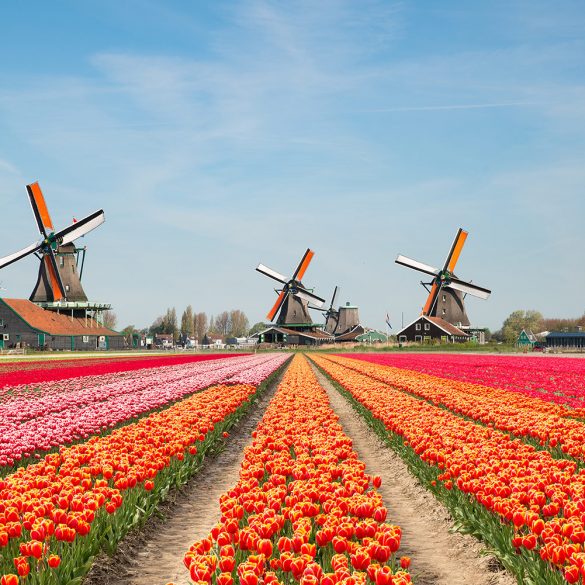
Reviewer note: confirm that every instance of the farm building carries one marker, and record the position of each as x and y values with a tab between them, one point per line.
24	324
425	329
526	339
566	340
286	336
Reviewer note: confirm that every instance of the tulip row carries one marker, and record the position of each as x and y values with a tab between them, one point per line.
303	510
73	410
555	379
518	499
520	415
107	485
27	373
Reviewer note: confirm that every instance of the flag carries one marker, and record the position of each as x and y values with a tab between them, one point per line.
388	321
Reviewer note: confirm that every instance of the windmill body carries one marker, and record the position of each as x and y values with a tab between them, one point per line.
295	312
66	256
450	307
446	293
342	320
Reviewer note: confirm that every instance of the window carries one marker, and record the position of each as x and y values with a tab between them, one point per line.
67	287
402	338
418	338
427	326
61	261
86	339
444	311
417	326
1	322
444	298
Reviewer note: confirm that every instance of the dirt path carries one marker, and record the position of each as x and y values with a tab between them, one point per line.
154	556
439	557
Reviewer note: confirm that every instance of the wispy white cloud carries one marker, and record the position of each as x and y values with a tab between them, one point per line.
452	107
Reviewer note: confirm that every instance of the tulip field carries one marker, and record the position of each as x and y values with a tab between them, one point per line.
99	452
89	451
508	464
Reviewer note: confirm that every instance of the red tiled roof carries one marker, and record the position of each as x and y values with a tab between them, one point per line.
54	323
448	327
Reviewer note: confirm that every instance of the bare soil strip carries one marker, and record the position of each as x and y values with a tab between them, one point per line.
439	556
154	555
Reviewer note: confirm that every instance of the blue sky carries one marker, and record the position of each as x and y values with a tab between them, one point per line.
216	135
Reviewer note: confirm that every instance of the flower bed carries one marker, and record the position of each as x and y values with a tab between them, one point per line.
555	379
70	410
526	417
107	485
527	505
27	373
304	510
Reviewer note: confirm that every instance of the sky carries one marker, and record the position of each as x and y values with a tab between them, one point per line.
217	135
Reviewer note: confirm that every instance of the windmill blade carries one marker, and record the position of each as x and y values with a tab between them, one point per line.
470	289
271	273
455	251
303	265
310	298
81	227
431	299
18	255
335	291
39	207
54	276
277	305
416	265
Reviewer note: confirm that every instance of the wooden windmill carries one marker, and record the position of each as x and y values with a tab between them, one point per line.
292	304
332	314
58	279
446	291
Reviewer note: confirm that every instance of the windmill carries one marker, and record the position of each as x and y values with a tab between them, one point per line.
332	315
58	279
446	291
293	299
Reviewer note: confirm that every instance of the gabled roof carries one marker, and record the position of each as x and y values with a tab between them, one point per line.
447	327
531	337
54	323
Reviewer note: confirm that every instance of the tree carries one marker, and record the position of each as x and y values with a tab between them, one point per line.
109	319
187	325
157	325
518	320
257	327
222	323
127	332
170	323
200	326
239	323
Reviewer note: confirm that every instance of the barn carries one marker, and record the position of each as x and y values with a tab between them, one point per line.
425	329
288	336
26	325
566	340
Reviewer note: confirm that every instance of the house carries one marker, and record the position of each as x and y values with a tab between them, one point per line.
25	324
425	329
526	339
164	340
566	340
